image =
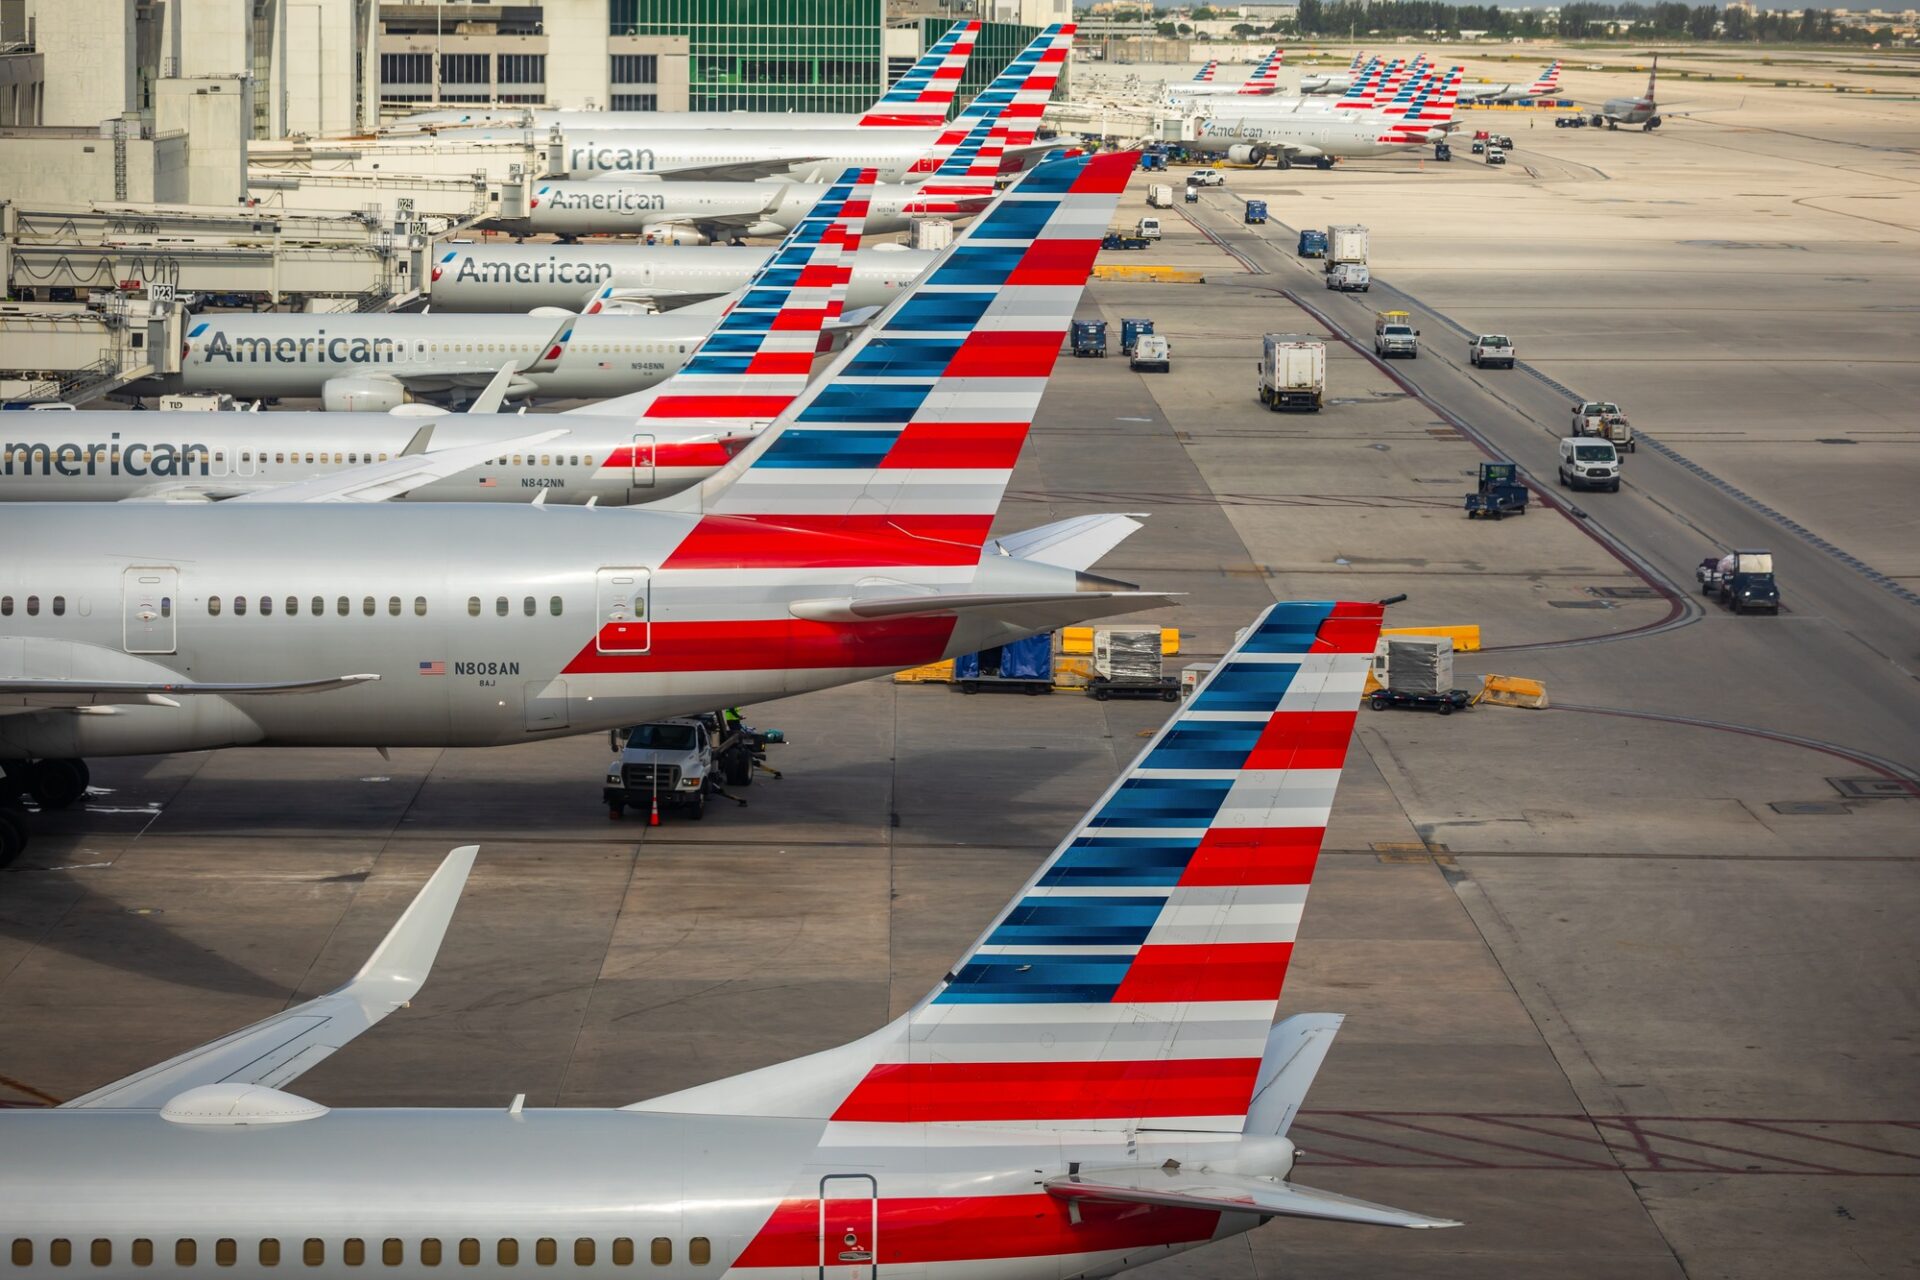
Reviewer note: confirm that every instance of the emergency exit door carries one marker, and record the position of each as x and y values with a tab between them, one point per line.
849	1227
149	599
642	462
621	599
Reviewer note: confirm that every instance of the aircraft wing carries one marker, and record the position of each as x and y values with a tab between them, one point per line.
1228	1193
285	1046
385	481
30	695
739	170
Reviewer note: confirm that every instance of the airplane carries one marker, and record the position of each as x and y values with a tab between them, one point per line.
1545	87
919	99
1643	111
847	540
713	211
1264	79
1096	1084
1250	138
1336	81
598	276
631	449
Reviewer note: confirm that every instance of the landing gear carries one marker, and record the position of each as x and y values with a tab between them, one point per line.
1650	125
1323	162
57	784
1281	160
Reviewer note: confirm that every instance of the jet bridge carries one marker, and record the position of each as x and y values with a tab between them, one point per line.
71	352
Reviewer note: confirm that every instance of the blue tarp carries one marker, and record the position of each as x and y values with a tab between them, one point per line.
966	667
1029	659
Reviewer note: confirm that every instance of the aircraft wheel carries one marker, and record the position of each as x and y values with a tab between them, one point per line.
57	784
1283	161
13	833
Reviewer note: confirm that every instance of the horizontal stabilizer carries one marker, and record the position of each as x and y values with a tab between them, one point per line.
845	609
1230	1193
1077	543
285	1046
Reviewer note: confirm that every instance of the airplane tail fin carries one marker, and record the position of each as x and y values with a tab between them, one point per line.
1205	74
905	444
1549	80
1652	76
921	98
964	182
1266	74
1133	981
758	358
1017	98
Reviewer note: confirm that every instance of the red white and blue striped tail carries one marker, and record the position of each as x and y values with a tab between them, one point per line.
921	98
1016	99
1134	979
905	444
756	361
964	182
1266	75
1205	74
1549	80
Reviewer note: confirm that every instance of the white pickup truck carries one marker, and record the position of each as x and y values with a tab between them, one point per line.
1390	340
1490	351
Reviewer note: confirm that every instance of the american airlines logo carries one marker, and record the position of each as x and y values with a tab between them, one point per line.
605	202
610	160
552	271
113	458
312	348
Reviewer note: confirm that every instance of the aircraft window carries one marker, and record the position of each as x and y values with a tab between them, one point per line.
469	1252
101	1253
623	1252
33	606
314	1252
143	1253
59	606
239	606
383	457
473	606
699	1251
60	1252
225	1251
545	1251
219	455
266	606
392	1252
166	606
555	604
310	457
6	606
184	1253
393	606
546	459
573	460
279	457
507	1252
528	606
293	606
661	1254
367	606
586	459
336	459
269	1253
213	606
353	457
500	606
246	455
419	606
516	459
319	604
22	1253
429	1253
342	606
583	1252
353	1251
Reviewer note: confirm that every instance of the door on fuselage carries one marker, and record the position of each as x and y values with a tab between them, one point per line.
149	599
849	1227
620	602
642	463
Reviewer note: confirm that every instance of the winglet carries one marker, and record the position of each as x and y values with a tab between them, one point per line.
393	973
495	394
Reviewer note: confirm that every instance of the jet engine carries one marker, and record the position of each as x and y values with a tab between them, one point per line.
371	392
672	233
1247	153
1652	124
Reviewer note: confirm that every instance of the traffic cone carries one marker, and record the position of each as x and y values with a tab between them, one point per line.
653	815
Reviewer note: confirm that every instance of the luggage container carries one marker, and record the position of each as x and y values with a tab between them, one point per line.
1130	333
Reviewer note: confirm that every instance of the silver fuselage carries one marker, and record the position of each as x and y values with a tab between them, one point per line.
514	600
716	208
812	154
584	357
1630	110
1309	136
519	277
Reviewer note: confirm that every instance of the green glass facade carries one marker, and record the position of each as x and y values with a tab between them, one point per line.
769	55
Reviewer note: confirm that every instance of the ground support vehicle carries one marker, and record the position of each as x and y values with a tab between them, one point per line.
1193	194
1160	196
1742	580
1496	156
1396	340
1151	354
1207	178
1256	212
1090	338
1479	147
679	763
1587	463
1148	229
1602	418
1350	277
1500	493
1442	151
1346	245
1570	122
1445	703
1025	666
1120	240
1153	161
1293	372
1490	351
1313	244
1166	688
1131	331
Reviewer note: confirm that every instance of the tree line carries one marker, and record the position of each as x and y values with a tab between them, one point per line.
1579	21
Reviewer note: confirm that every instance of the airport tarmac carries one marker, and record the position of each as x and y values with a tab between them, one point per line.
1629	982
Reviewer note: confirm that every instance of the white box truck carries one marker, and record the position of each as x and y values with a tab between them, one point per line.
1160	196
1293	372
1346	243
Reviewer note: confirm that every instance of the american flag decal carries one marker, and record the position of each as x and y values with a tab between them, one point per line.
433	668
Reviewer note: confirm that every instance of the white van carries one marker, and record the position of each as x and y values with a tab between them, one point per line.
1149	229
1350	277
1587	463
